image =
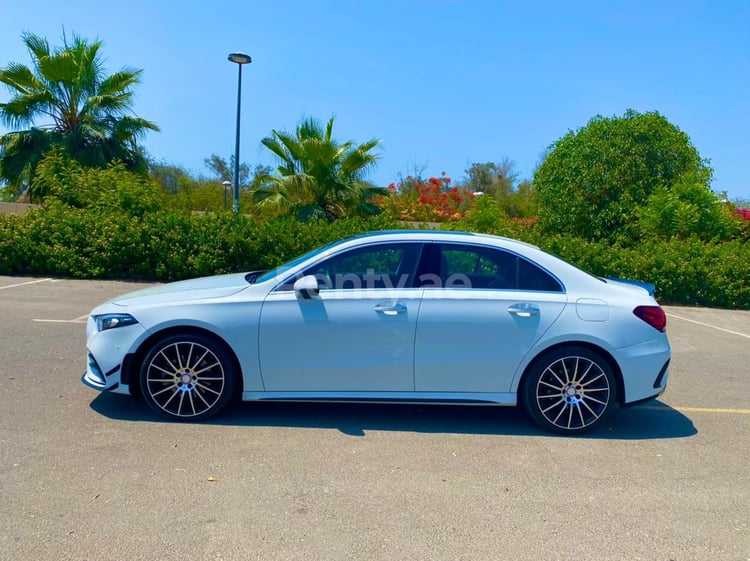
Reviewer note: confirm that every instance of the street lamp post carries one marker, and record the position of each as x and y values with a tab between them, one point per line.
226	184
239	59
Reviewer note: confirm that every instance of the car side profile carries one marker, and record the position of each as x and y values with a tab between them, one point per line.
399	316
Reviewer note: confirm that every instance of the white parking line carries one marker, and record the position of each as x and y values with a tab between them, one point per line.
81	319
708	325
24	283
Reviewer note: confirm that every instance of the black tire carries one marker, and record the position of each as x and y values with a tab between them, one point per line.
569	390
187	377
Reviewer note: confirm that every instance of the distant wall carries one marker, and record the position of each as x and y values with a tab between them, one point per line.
15	208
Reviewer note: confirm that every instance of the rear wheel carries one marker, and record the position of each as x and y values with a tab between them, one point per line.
187	377
569	390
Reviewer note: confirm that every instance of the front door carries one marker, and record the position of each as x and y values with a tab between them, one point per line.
357	335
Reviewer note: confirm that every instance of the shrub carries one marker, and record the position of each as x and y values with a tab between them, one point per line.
488	216
166	246
685	271
687	209
431	200
593	181
112	188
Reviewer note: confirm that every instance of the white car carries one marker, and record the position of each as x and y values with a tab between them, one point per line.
405	316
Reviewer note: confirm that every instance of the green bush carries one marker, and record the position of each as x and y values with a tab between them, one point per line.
592	181
687	209
113	188
167	246
685	271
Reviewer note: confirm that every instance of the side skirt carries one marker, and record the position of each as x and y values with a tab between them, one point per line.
387	397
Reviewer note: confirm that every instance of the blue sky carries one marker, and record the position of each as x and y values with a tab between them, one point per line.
442	83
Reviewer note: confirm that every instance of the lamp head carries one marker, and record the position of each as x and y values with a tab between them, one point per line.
239	58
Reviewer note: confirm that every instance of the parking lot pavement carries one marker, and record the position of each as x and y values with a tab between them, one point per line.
96	476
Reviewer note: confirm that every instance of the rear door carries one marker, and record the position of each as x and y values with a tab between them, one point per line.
482	310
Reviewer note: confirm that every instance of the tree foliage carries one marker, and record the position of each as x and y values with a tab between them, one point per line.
223	170
317	176
687	209
496	180
114	188
66	99
499	181
594	181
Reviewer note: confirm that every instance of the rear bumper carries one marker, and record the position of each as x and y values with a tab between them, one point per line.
645	370
660	384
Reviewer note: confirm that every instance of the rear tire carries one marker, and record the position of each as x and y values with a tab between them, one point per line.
569	390
187	377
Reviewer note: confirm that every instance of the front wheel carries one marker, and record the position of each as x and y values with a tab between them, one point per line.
187	377
569	390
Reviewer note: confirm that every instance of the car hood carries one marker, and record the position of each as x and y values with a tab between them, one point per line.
196	289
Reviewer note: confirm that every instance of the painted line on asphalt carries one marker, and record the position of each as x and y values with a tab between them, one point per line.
24	283
708	325
719	410
713	410
82	319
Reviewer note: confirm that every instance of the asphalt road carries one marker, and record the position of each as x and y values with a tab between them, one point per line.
88	476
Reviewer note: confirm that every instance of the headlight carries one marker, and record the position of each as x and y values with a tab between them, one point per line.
110	321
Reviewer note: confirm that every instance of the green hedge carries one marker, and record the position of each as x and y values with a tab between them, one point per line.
689	272
166	246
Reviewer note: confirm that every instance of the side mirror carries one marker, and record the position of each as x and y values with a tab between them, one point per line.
306	287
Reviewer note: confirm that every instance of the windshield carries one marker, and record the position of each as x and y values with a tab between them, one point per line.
281	269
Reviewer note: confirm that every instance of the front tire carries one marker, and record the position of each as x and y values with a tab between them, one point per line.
569	390
187	377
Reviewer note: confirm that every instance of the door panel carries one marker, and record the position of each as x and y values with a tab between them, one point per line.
343	340
356	335
486	309
473	341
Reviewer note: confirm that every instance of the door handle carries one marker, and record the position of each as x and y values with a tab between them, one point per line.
390	309
524	310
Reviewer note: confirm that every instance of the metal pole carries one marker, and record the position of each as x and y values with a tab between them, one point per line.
236	206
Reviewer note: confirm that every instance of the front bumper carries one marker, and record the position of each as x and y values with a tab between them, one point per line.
98	380
107	351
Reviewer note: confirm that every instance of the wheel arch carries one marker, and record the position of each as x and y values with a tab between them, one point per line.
606	355
132	364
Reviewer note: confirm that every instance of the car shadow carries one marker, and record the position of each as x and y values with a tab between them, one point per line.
654	420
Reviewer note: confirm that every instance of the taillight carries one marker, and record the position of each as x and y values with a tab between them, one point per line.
652	315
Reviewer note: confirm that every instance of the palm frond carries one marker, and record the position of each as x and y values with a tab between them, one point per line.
306	213
272	143
120	82
66	97
19	78
318	173
38	46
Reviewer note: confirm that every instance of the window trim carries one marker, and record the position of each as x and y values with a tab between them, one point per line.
287	284
435	267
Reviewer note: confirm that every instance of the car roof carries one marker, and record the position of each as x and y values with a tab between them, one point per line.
438	235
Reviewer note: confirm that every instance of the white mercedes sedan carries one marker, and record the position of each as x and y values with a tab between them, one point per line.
403	316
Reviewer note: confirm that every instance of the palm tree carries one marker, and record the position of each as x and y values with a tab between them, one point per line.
317	177
67	100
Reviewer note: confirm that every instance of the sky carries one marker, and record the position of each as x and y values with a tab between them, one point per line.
442	83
